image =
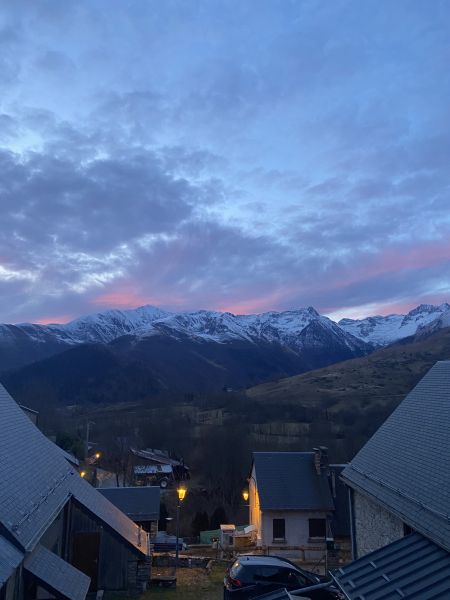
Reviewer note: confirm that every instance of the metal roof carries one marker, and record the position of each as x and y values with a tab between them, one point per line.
57	576
158	456
404	466
138	503
412	567
289	481
10	559
37	481
73	460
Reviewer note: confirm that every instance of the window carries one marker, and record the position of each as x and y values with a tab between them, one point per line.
268	574
317	528
294	579
279	529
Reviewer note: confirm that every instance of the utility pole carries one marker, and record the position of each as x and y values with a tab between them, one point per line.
86	449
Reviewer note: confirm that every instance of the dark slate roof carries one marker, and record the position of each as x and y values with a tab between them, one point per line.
57	576
288	481
412	567
10	559
73	460
405	465
138	503
37	482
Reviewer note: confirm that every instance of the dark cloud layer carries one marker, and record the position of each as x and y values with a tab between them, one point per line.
239	156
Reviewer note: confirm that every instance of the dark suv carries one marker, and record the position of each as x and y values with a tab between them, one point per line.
252	576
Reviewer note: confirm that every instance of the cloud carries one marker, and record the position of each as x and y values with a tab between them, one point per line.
222	156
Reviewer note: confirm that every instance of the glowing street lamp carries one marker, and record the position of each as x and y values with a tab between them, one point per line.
97	455
181	492
82	473
245	495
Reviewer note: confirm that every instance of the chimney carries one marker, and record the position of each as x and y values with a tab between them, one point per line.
320	459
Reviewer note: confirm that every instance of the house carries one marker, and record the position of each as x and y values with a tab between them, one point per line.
292	500
399	489
156	467
58	535
140	504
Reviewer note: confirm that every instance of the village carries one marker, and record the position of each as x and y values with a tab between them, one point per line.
376	527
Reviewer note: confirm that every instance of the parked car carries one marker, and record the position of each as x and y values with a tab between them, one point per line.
253	576
167	543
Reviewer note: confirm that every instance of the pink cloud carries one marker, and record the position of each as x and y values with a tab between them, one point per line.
56	319
123	298
253	305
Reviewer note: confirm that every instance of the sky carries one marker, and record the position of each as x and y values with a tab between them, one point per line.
239	155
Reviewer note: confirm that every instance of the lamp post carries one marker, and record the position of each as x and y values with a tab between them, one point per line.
181	492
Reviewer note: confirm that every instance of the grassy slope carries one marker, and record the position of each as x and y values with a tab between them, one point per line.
382	378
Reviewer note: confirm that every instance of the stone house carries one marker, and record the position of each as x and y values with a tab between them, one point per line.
59	537
292	501
399	491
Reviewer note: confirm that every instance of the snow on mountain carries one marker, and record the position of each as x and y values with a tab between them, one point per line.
442	321
272	327
284	328
298	331
382	330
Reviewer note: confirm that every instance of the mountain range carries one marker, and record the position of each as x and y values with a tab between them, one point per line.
127	355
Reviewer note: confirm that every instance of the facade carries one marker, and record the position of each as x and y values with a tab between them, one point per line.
291	501
58	535
399	491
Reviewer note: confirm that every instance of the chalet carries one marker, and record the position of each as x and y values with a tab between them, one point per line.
292	501
399	490
140	504
58	535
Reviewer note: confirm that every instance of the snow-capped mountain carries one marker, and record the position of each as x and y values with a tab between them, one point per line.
284	327
383	330
312	338
295	330
118	356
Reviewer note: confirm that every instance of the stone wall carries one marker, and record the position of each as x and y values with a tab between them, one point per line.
374	525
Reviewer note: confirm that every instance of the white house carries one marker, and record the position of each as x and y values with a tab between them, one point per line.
291	502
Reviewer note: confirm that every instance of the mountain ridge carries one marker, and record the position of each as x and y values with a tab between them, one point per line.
195	351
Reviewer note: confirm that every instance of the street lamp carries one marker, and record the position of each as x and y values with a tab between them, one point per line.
245	495
181	492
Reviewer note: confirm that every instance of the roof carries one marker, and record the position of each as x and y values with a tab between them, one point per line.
404	466
138	503
289	481
158	456
37	482
56	575
10	559
411	567
73	460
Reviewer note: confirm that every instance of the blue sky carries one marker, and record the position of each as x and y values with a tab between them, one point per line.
239	155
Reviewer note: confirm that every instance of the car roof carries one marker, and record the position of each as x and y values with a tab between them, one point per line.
253	559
